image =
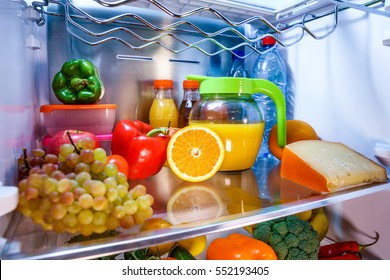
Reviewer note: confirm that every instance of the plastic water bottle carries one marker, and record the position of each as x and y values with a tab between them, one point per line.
238	68
270	66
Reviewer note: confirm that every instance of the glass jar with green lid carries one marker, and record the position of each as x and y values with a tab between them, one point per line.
226	106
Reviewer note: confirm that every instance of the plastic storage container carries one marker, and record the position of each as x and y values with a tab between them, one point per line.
98	118
270	66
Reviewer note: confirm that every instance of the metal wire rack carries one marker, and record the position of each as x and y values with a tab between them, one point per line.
80	21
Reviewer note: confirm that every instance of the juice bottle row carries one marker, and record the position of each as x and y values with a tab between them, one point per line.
164	111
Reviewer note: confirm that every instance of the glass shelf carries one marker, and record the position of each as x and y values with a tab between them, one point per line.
245	198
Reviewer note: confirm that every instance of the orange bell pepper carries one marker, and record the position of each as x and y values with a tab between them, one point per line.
239	247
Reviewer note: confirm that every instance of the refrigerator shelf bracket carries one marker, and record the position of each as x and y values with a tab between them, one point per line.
80	24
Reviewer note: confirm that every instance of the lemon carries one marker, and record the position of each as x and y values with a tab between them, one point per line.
195	245
305	215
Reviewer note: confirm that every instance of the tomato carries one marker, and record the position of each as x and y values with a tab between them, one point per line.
120	162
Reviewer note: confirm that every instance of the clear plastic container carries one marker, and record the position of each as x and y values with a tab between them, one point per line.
97	118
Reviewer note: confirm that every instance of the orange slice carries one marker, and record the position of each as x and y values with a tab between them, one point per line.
194	203
195	153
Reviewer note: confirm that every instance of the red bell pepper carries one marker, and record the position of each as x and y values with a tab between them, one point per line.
143	147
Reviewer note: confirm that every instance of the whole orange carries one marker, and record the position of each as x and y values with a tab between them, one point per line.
296	130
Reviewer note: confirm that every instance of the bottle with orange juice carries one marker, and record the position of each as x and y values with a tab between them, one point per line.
163	111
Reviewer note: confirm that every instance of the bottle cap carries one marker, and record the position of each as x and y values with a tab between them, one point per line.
269	40
238	53
163	84
191	84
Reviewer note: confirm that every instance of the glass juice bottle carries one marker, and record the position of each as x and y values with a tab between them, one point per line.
163	111
190	96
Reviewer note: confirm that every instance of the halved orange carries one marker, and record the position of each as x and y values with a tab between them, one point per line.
194	203
195	153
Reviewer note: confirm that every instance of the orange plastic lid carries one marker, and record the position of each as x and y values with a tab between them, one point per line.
189	84
163	84
53	107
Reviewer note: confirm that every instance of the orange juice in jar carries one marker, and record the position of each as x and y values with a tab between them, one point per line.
163	111
242	143
226	106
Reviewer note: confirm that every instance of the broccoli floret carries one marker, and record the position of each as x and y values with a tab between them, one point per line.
290	237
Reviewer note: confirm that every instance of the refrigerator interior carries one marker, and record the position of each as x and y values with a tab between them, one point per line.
339	83
341	87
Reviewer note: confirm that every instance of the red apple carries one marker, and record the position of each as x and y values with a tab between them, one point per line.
62	137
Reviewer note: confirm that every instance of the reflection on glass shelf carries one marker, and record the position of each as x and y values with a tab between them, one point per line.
227	201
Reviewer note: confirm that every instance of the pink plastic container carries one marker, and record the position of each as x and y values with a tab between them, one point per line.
97	118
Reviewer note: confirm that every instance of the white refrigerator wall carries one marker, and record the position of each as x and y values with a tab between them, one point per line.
342	88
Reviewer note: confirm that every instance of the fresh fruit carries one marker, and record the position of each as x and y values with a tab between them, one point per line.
296	130
120	162
67	197
305	215
320	222
62	137
195	153
195	246
194	202
154	224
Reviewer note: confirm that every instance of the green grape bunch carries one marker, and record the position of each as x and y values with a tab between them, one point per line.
79	192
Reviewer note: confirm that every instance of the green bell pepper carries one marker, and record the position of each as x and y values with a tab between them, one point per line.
78	82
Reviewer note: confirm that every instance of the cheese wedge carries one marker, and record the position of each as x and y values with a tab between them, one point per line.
328	166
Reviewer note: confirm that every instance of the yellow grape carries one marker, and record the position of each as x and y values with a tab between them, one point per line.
122	190
112	222
100	203
126	221
67	198
74	208
99	218
58	211
130	206
145	201
70	220
85	217
137	191
112	194
85	201
64	185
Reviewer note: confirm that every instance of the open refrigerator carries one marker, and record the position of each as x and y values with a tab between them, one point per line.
336	52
